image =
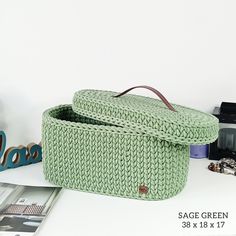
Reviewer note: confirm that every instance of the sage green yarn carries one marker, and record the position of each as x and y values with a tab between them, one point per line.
149	115
114	146
93	156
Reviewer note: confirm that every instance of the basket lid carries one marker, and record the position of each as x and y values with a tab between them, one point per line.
170	122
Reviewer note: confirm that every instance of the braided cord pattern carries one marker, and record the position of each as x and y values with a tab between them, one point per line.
148	115
95	156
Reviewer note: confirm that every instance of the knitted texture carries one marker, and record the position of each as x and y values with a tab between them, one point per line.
186	126
89	155
131	146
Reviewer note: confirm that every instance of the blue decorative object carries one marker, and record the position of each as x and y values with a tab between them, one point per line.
199	151
18	156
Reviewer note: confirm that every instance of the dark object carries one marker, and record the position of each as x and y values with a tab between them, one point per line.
228	108
225	145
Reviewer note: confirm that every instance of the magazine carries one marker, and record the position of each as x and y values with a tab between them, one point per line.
23	208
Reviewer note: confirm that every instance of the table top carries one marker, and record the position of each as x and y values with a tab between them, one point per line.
80	213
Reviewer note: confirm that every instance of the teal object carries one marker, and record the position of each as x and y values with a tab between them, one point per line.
2	142
18	156
130	146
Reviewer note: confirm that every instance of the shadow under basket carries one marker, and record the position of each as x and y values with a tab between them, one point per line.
96	153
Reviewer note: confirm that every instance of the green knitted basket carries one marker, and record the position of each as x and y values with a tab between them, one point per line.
122	145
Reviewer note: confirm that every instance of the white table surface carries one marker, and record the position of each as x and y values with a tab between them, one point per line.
79	213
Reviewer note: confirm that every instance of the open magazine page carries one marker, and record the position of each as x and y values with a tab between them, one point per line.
23	208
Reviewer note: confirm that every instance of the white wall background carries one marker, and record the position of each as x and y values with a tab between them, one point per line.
51	48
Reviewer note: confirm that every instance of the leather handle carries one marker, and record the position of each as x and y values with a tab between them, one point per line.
164	100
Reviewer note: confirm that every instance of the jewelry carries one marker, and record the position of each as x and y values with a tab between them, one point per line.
225	166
